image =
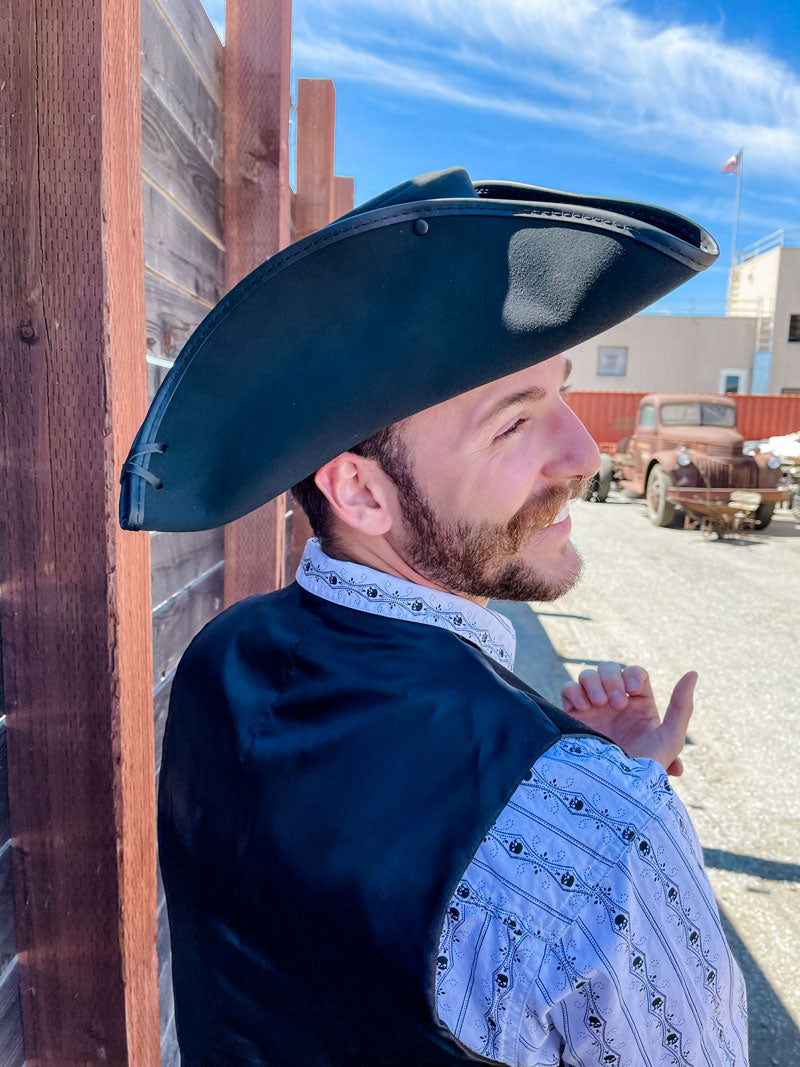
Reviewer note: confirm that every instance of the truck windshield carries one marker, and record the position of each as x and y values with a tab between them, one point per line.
698	415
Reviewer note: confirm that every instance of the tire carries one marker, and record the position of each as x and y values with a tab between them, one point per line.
660	510
603	478
763	516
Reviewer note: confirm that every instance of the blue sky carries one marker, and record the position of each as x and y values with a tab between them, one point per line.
638	100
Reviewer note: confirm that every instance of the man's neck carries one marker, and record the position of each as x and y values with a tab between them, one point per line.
381	555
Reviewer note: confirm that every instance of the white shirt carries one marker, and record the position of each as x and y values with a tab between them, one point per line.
584	930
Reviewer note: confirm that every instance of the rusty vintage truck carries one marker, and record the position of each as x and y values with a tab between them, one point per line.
686	453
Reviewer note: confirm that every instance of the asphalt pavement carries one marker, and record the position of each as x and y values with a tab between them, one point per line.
672	601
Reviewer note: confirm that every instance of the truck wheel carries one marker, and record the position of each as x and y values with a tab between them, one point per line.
603	478
660	510
763	515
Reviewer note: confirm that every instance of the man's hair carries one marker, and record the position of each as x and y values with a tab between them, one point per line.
385	447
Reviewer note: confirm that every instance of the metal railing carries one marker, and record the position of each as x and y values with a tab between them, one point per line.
786	238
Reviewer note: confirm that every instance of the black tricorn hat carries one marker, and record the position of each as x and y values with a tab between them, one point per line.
430	289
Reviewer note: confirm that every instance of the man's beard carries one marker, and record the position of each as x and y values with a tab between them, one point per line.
481	559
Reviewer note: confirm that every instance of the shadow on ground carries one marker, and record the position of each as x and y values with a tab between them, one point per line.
772	870
773	1034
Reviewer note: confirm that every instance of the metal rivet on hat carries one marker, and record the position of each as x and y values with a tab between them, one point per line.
419	226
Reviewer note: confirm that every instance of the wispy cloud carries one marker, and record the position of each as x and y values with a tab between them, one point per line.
357	64
719	209
594	66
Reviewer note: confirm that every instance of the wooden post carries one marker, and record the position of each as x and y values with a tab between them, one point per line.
343	195
257	223
316	124
76	628
321	197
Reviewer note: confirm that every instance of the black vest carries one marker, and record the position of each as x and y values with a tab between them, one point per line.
327	776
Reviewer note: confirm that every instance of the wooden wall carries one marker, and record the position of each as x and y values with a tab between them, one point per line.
75	609
11	1049
182	191
182	185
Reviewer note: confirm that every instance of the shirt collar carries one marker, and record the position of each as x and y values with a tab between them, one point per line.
365	589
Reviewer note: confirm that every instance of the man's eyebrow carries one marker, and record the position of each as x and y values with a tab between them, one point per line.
523	396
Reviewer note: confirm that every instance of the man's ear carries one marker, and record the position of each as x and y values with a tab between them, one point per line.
358	492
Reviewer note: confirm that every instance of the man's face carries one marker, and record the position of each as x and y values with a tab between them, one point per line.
483	482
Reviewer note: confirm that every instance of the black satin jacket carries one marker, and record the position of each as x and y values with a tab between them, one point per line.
327	776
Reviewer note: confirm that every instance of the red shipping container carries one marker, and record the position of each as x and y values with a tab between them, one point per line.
610	416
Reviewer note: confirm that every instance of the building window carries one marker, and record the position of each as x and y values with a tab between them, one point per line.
732	380
794	327
612	362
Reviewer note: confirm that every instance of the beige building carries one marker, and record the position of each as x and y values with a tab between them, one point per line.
751	346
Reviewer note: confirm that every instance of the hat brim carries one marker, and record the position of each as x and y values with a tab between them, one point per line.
371	320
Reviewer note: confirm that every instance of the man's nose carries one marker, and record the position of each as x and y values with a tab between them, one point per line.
575	454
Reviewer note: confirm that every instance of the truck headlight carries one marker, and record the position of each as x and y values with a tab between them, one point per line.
684	459
773	462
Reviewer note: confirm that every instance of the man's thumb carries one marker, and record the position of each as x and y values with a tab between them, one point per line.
681	706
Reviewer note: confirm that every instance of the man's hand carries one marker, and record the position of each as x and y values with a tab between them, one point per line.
619	703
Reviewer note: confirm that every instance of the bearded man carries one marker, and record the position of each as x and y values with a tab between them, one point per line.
380	846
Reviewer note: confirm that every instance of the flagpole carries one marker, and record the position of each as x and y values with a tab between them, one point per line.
735	224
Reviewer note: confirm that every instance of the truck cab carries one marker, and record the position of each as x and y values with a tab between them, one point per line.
686	447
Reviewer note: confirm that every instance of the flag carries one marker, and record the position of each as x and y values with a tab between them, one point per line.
731	166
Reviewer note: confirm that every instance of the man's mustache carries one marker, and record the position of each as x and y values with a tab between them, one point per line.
540	511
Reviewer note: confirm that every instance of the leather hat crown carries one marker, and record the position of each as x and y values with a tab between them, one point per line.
433	288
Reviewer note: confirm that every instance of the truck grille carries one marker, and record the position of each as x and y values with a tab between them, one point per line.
720	475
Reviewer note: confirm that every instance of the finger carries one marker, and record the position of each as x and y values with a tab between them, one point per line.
680	708
573	696
637	682
676	767
613	683
593	687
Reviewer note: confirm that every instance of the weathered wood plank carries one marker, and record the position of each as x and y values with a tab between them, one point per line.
179	558
161	897
168	72
178	251
155	376
12	1053
172	316
257	220
80	748
344	190
160	709
8	940
171	159
200	39
5	823
166	1000
170	1053
315	199
320	196
180	619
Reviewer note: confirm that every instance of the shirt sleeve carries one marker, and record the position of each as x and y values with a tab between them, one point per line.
587	931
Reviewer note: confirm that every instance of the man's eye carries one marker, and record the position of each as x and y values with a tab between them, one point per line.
511	430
